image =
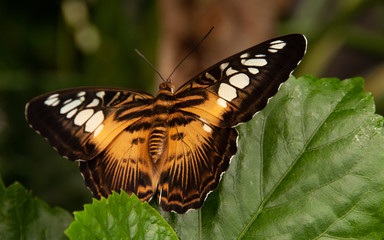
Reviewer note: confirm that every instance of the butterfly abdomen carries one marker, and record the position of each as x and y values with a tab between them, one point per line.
156	142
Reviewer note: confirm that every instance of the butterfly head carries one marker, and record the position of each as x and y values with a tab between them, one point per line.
167	86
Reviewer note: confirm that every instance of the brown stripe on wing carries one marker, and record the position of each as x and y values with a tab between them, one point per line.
211	109
111	128
196	156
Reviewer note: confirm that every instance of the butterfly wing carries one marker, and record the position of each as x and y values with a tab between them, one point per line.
125	164
233	90
194	161
94	125
202	139
80	122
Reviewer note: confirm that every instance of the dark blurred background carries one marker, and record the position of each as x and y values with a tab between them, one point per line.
50	45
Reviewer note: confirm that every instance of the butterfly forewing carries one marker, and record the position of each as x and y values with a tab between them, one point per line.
242	84
81	122
177	145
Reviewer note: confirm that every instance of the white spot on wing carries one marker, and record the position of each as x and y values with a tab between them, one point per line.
278	46
94	103
98	130
68	101
100	94
51	100
256	62
55	103
207	128
94	121
69	106
253	70
244	55
260	55
227	92
222	102
231	71
82	93
271	50
71	113
83	116
276	42
209	76
223	66
240	80
55	95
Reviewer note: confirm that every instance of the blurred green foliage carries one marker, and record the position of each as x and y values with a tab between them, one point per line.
50	45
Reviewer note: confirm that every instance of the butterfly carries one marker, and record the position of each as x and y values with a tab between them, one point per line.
177	144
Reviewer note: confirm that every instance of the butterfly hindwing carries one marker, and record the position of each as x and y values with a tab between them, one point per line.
124	164
197	155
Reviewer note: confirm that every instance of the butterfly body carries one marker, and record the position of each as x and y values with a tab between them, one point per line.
177	144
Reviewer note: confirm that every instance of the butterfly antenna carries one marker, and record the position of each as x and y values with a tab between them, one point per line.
190	52
149	63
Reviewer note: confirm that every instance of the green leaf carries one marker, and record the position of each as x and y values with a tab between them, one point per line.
309	166
119	217
25	217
